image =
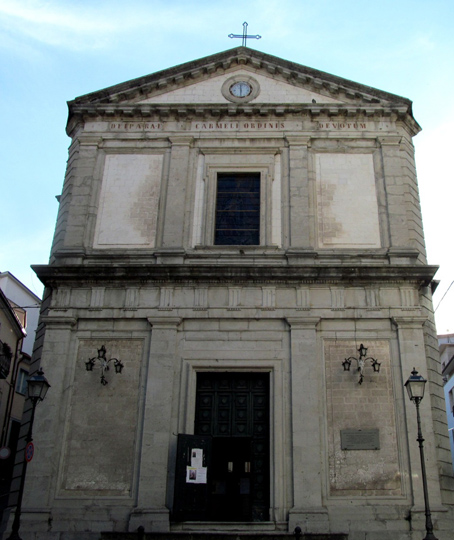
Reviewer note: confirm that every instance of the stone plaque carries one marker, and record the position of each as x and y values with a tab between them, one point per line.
360	439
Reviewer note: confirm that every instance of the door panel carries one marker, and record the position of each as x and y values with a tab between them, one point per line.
234	409
191	500
230	498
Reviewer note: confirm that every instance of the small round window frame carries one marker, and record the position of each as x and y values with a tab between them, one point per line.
255	88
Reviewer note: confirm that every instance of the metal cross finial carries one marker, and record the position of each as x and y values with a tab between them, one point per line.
245	36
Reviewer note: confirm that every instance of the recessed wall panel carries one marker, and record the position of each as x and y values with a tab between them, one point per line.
102	427
129	201
347	209
361	469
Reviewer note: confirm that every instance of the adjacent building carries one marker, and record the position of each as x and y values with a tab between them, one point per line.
26	304
12	363
232	233
446	343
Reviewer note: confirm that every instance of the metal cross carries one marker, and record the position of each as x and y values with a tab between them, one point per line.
245	35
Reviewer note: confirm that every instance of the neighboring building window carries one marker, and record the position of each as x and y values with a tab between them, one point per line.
6	355
21	385
238	209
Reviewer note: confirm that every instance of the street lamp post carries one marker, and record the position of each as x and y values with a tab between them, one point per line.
37	387
415	387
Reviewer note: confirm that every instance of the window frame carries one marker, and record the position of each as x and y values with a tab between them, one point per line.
247	234
209	221
22	378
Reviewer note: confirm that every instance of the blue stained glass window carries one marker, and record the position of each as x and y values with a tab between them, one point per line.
238	209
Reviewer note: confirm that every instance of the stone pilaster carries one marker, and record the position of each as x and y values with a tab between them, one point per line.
395	191
49	419
299	191
78	190
412	355
176	192
151	511
306	388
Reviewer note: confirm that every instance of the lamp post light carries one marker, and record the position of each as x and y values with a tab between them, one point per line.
415	388
37	387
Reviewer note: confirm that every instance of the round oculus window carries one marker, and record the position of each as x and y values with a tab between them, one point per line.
240	89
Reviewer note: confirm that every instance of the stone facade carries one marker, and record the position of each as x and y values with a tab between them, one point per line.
340	262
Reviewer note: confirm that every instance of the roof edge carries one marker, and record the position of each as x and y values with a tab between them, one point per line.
241	55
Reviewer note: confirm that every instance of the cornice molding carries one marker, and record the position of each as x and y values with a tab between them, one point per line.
347	275
155	112
128	111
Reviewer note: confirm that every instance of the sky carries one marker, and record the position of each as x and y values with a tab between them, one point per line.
55	50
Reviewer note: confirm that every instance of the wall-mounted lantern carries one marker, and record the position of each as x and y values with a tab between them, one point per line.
361	363
103	364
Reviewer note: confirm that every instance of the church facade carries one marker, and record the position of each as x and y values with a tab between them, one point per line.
230	231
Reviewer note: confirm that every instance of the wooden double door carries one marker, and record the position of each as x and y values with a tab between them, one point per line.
230	451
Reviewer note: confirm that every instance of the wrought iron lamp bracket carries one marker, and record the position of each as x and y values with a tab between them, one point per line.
103	364
361	363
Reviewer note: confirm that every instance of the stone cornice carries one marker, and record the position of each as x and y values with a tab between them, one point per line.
155	112
414	275
127	111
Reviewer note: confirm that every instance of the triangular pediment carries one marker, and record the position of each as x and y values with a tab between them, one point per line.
205	86
271	90
293	80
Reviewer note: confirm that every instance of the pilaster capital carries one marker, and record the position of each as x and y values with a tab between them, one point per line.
59	322
409	323
389	140
303	323
298	140
164	323
181	141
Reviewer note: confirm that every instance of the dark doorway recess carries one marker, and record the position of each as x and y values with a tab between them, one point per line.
232	431
233	408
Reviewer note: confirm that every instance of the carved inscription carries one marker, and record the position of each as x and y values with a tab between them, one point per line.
360	439
135	126
341	125
241	126
238	126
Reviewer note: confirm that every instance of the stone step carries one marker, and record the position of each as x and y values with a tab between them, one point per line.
141	535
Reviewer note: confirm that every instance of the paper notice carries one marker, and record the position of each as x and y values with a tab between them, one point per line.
197	458
196	475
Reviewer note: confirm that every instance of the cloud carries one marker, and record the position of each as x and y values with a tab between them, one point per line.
74	26
85	25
